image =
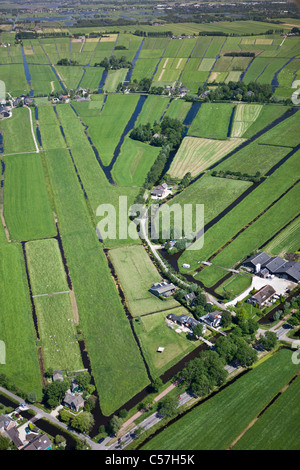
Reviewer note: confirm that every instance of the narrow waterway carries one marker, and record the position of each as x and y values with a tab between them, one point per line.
107	169
130	71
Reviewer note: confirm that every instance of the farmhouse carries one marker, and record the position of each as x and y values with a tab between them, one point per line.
163	289
73	401
160	191
262	296
265	266
185	320
39	443
213	319
57	375
189	298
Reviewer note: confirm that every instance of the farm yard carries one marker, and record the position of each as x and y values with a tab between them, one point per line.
74	286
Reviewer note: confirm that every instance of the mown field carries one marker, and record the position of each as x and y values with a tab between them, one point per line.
27	207
16	323
137	274
119	373
190	61
73	175
231	410
46	270
277	428
154	333
197	154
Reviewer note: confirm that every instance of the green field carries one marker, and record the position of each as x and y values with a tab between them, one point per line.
16	324
287	241
212	121
27	208
196	154
58	332
46	268
249	395
134	162
17	134
137	274
154	332
277	428
254	236
245	212
73	279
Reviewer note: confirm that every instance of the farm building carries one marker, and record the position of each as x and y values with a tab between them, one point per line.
163	288
160	191
213	319
264	265
185	320
57	375
262	296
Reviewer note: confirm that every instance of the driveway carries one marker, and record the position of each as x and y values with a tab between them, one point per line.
280	286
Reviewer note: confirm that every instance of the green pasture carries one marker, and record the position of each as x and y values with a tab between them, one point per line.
58	332
154	332
46	269
231	410
27	208
137	274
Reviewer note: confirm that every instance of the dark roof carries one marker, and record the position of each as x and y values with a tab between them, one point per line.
162	287
39	443
13	434
157	192
213	315
190	296
273	264
263	294
292	269
259	258
184	319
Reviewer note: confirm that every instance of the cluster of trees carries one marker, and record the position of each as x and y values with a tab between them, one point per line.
83	422
240	54
172	130
114	63
203	374
54	392
153	34
237	175
234	348
141	86
67	62
293	304
168	132
241	91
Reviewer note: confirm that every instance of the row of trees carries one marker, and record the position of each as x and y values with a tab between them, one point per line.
67	62
237	175
241	91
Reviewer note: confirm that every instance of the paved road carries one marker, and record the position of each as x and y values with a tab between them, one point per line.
148	423
43	414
